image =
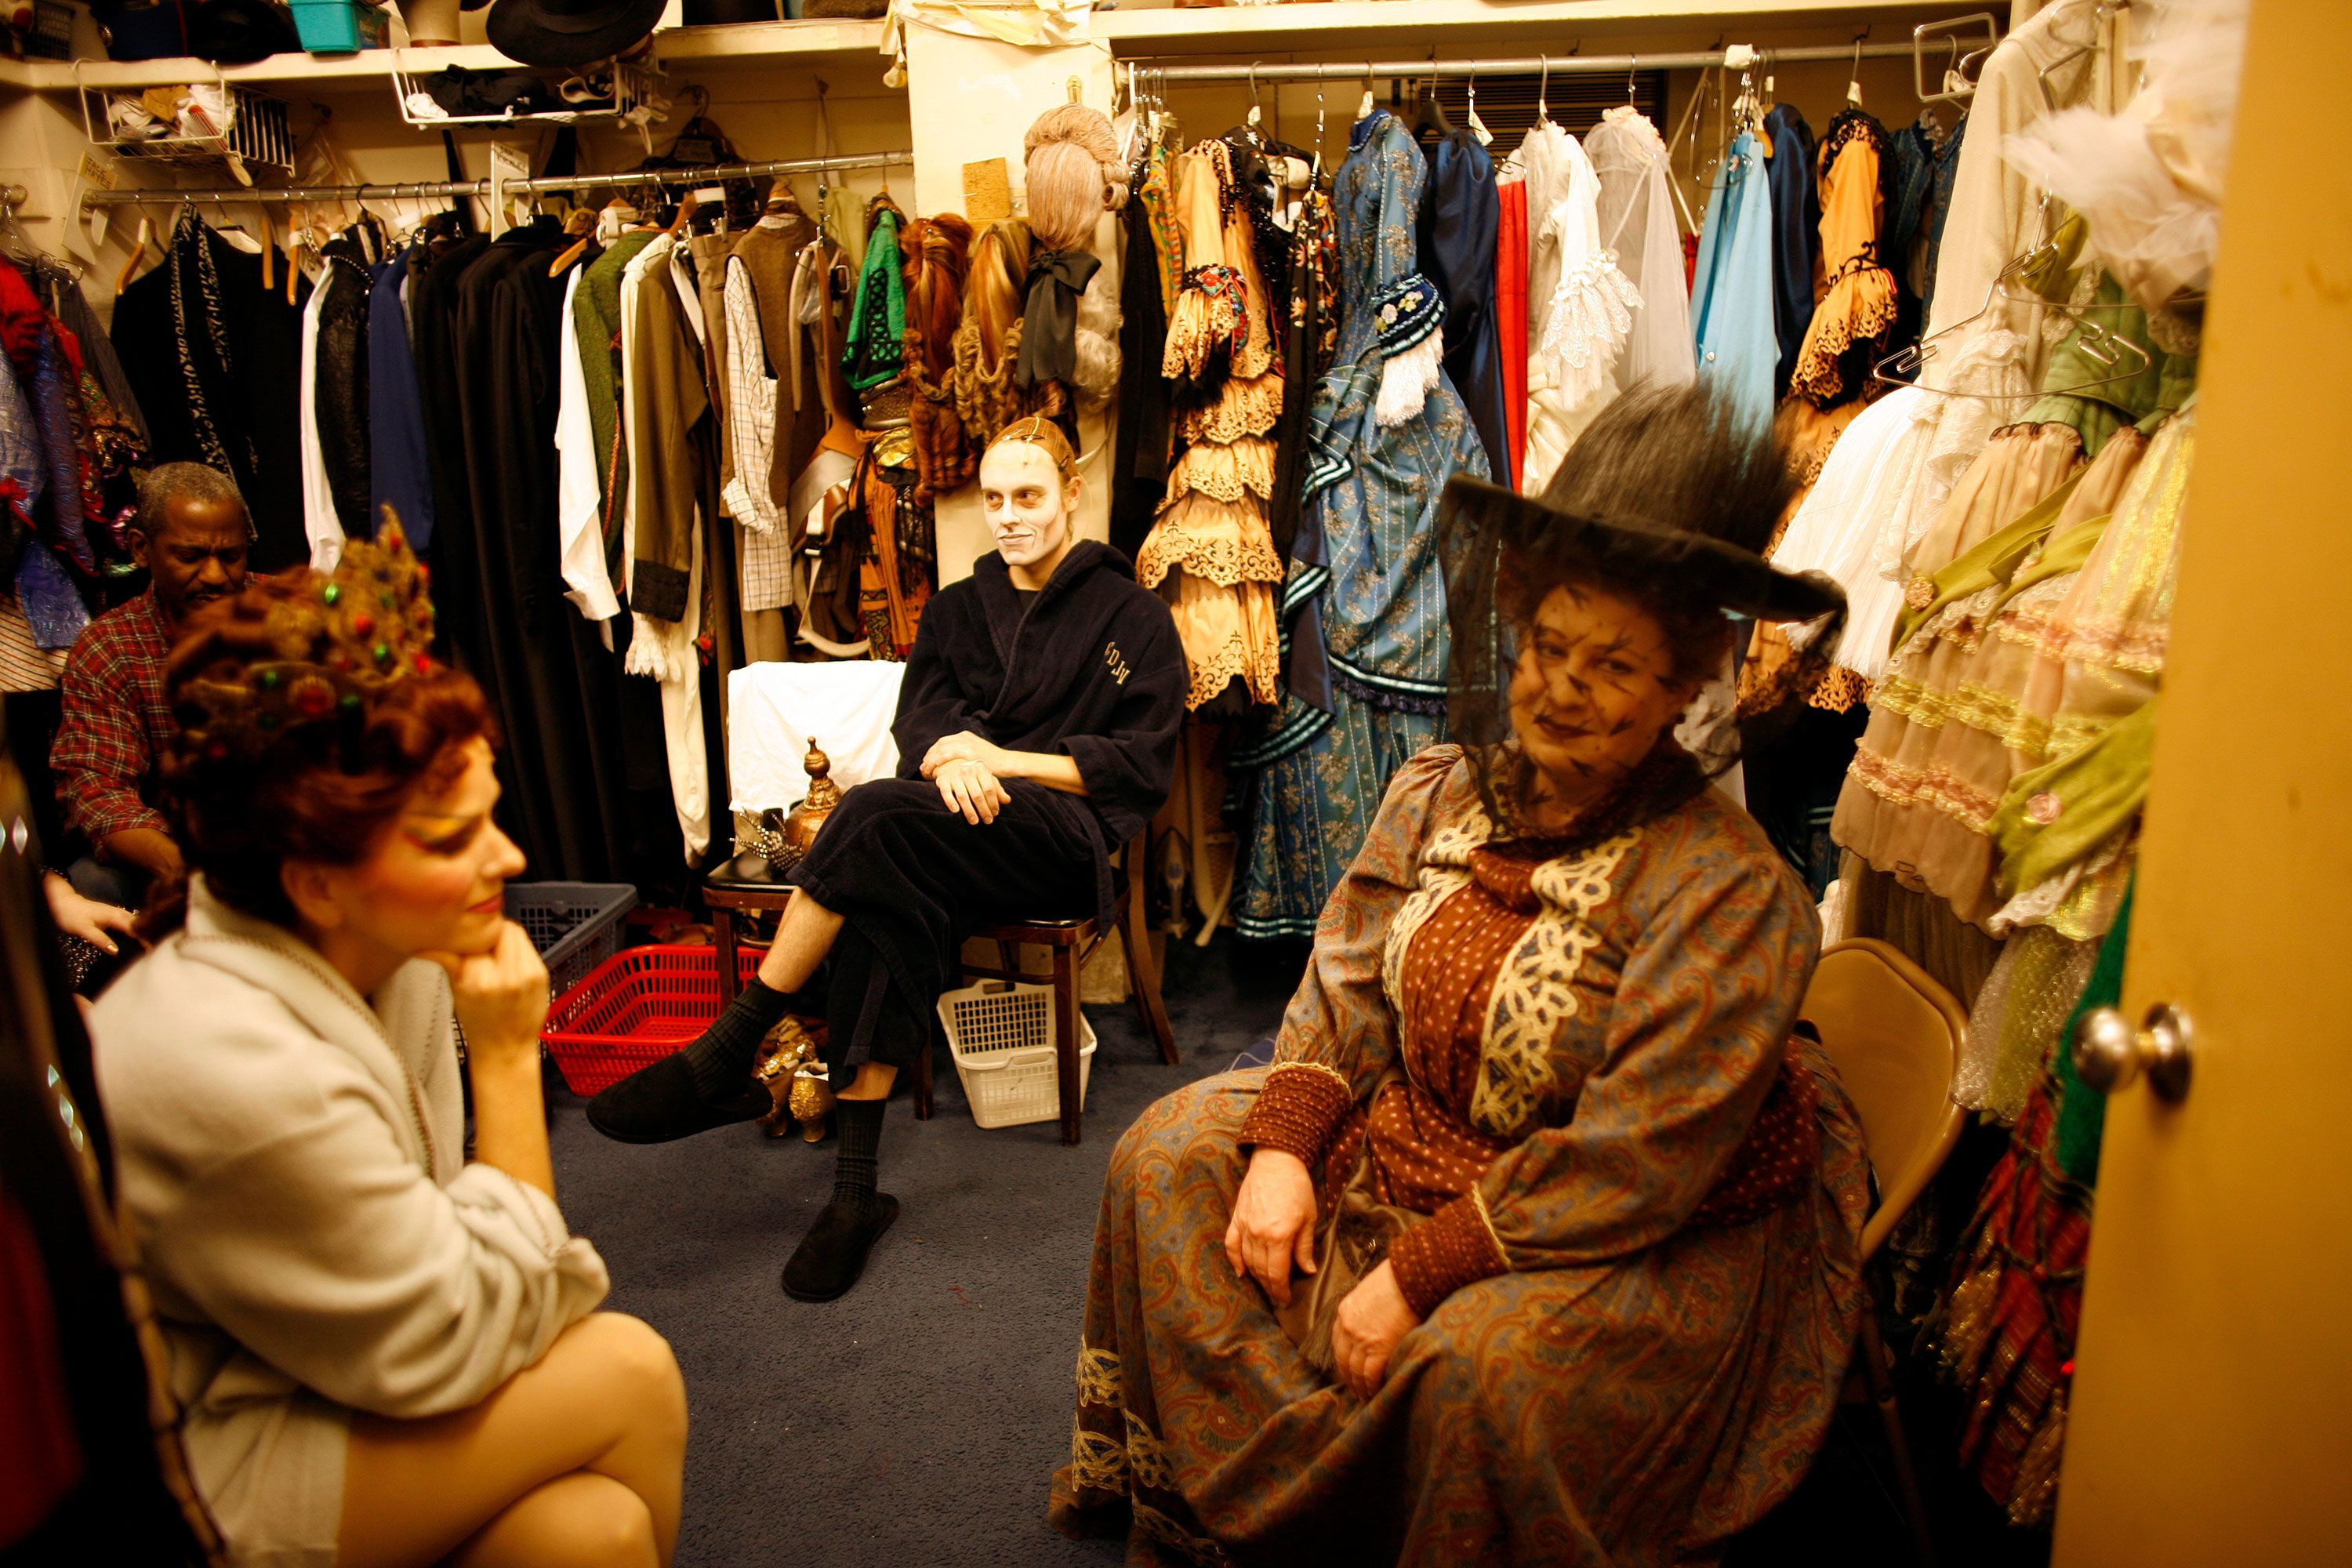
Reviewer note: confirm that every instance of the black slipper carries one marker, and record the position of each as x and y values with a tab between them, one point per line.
657	1104
832	1255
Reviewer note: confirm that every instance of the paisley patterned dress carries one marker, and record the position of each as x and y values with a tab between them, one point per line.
1363	607
1628	1213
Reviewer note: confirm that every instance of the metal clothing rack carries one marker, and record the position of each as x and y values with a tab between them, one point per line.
402	190
1736	57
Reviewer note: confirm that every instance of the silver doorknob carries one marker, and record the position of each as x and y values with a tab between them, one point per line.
2109	1053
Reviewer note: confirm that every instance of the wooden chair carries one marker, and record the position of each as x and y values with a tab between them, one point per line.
1895	1034
749	883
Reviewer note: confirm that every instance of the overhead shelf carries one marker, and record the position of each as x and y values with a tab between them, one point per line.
1341	26
1331	29
780	42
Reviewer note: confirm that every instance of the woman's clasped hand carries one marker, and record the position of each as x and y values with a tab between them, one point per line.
1273	1229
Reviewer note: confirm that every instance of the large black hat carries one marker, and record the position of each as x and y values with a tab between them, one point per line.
239	32
568	34
1669	497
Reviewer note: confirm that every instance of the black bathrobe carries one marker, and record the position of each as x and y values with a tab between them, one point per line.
1089	667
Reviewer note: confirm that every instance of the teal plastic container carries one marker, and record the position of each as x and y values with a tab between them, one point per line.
328	27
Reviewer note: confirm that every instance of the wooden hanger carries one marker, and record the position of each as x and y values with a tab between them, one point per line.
140	244
582	223
685	211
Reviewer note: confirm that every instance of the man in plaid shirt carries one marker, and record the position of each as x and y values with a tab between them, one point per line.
191	535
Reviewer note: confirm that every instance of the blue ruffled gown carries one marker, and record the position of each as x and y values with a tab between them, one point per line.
1364	606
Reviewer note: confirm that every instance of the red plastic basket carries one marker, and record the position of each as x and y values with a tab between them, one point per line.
633	1009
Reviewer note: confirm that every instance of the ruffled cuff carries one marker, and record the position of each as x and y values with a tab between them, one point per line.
1453	1248
1406	311
1299	1108
1210	326
1406	318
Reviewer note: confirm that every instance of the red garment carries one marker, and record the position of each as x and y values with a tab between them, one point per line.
115	725
22	321
40	1458
1511	314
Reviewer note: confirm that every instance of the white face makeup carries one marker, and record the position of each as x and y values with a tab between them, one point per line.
1028	508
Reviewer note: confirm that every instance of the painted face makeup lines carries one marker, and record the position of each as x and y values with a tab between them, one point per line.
1025	501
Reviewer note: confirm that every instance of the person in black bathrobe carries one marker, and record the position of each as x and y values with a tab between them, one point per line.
1037	731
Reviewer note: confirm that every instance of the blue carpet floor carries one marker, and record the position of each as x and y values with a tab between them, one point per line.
917	1420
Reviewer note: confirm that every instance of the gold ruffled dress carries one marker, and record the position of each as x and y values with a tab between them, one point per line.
1209	553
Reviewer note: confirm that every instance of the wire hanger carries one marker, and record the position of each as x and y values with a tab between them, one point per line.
1255	113
1477	126
1958	85
1428	114
1854	71
1318	169
1543	87
1365	107
2096	342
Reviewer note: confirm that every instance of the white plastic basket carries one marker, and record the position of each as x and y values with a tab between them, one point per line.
1002	1036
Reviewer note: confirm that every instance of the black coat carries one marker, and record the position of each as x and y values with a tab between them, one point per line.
558	693
241	375
1090	669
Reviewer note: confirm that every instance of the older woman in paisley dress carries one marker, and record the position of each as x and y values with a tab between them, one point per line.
1538	1243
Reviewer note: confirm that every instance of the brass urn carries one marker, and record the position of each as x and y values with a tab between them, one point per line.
801	826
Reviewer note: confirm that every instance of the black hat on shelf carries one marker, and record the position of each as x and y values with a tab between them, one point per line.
239	32
568	34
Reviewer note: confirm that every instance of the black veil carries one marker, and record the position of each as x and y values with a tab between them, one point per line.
1669	499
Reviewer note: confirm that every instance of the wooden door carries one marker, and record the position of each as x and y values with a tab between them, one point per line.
2211	1420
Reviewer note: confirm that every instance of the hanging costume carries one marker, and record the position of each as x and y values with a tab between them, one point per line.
1511	306
400	468
1580	307
214	360
1366	597
1636	212
1462	216
1731	296
1208	551
1797	281
664	411
556	690
1855	318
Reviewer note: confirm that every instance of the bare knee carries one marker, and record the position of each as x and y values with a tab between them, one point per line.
606	1526
634	1364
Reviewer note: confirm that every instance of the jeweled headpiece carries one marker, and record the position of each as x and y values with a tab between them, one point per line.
338	645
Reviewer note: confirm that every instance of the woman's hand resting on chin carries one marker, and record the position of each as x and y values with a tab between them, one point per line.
1370	1321
501	996
1274	1223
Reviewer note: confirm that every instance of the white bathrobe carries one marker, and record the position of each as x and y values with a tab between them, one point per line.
292	1157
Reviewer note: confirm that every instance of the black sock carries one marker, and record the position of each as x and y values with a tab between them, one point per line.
722	1058
856	1168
